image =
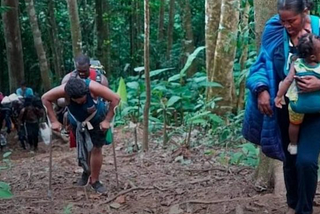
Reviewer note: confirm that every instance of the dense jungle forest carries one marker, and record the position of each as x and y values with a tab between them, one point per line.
180	69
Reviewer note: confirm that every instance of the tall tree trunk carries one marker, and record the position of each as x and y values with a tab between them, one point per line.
213	11
139	30
222	71
244	55
161	20
170	29
75	27
263	10
188	41
13	43
145	144
55	44
103	37
269	171
133	33
43	64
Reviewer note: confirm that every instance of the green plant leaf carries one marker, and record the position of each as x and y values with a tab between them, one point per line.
173	100
5	194
122	91
174	78
190	60
158	71
133	85
211	84
139	69
4	186
7	154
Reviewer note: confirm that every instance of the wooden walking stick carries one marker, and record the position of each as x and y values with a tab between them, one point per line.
114	147
46	135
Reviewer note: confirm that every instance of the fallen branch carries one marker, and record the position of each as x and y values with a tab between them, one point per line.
227	200
125	192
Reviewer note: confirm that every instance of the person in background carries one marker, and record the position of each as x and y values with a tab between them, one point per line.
24	91
30	117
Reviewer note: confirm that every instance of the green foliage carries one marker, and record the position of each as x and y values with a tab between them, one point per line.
248	156
5	189
67	209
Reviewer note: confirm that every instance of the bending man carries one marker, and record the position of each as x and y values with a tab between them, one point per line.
88	117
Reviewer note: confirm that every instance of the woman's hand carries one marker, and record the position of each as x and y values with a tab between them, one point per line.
308	84
264	103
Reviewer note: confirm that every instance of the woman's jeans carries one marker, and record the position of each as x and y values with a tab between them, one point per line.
300	171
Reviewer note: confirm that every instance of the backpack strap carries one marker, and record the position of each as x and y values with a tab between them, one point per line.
74	74
98	76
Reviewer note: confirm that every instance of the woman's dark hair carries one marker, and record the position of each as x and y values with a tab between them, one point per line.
306	46
76	88
297	6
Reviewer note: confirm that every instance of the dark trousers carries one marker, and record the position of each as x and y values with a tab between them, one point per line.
32	134
300	171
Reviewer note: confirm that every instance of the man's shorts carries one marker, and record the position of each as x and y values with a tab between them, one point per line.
294	117
98	137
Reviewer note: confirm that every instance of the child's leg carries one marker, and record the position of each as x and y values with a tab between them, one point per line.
295	121
294	133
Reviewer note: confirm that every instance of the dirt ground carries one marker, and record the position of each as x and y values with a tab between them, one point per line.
174	181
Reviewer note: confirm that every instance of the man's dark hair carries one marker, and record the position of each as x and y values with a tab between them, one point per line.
297	6
306	45
82	60
76	88
23	83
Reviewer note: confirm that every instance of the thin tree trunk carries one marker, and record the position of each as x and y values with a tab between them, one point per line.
133	34
145	144
170	29
222	71
75	27
103	37
43	63
161	21
213	11
55	44
244	56
13	43
188	43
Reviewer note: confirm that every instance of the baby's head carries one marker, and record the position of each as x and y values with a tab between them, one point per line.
309	48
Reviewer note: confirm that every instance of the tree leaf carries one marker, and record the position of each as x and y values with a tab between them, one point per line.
4	186
7	154
133	85
122	91
139	69
158	71
173	100
211	84
5	194
190	60
174	78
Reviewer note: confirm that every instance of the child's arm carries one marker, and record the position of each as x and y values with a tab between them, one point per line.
284	86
